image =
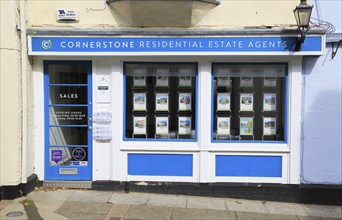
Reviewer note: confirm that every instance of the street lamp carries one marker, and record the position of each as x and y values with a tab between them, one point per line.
302	14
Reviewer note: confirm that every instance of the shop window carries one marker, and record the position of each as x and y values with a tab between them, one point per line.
160	101
249	102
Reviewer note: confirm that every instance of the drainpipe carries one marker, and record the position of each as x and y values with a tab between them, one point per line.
24	79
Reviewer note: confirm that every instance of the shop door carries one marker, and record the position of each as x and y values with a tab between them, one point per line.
68	109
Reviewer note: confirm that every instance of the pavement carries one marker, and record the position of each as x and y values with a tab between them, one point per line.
63	204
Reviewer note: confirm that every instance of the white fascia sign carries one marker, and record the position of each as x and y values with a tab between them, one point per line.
65	15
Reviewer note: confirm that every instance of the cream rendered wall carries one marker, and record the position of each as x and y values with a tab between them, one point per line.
10	96
230	14
16	103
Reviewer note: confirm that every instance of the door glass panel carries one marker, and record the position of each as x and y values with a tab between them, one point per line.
68	156
68	74
68	115
68	135
68	95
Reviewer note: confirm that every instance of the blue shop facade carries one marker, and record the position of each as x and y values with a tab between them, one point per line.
194	108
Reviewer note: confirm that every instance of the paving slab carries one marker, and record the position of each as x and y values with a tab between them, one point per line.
260	216
189	213
13	206
117	211
285	208
206	203
324	211
242	205
129	198
5	203
148	212
91	196
316	218
51	195
71	209
167	201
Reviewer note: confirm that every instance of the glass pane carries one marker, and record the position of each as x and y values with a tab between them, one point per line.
68	136
68	156
249	102
68	115
68	74
68	95
161	101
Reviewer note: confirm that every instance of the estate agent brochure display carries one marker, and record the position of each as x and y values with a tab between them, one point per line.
256	97
163	99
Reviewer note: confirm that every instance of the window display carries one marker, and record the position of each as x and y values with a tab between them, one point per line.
163	101
256	96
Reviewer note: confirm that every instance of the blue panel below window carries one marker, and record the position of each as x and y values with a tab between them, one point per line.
248	166
160	164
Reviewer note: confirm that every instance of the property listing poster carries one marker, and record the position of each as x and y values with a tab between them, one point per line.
162	101
246	102
246	125
246	82
162	81
184	102
139	101
139	125
184	81
270	124
270	101
270	82
223	101
162	125
223	82
139	81
184	125
223	125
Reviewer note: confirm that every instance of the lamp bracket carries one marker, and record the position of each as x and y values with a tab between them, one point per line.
333	53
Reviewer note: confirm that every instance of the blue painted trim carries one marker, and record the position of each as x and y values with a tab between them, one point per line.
286	104
68	85
68	126
124	105
248	166
160	164
52	172
171	44
68	105
71	146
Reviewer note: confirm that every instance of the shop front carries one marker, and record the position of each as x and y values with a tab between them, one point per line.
179	108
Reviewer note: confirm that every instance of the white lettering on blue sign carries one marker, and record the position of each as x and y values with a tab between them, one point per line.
210	44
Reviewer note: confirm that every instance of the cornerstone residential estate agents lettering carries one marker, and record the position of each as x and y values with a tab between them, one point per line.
216	44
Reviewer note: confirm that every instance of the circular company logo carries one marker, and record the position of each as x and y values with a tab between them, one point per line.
46	44
78	154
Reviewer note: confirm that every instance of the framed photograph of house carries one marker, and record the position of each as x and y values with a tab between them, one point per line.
269	102
139	125
223	126
270	81
246	125
162	81
162	101
184	102
223	101
162	125
246	81
139	101
269	126
184	81
223	81
246	102
139	81
184	125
